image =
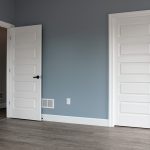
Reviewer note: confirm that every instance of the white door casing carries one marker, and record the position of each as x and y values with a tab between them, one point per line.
129	69
25	59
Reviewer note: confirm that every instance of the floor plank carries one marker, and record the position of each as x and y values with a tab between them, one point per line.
31	135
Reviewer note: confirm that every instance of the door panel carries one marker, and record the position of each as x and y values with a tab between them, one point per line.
135	49
134	29
135	68
26	43
135	88
135	108
132	61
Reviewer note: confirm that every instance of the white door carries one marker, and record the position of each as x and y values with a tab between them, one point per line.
132	70
25	48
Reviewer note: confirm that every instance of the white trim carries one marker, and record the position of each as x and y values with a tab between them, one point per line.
131	14
10	58
112	23
8	96
5	24
111	73
76	120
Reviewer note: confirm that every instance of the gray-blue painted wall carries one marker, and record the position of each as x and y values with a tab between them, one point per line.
75	50
7	12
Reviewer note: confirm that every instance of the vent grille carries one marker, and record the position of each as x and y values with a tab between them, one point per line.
48	103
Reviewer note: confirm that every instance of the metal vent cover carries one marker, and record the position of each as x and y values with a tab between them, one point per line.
48	103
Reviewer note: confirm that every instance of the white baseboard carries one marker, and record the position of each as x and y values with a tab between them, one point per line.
2	105
76	120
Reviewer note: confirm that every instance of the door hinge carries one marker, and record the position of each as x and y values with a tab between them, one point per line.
9	70
10	37
9	102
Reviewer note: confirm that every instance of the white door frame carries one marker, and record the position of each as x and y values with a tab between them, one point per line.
112	24
8	75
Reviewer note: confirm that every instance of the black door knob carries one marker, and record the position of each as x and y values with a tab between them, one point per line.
36	77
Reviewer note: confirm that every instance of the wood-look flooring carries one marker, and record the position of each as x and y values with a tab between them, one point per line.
31	135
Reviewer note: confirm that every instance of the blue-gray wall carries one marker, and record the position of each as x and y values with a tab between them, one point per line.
7	12
75	50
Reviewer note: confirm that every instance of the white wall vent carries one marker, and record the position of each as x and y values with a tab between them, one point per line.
48	103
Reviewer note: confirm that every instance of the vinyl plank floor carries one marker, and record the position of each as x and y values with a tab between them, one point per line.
31	135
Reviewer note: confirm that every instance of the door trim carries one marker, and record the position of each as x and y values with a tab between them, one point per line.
112	24
6	25
8	75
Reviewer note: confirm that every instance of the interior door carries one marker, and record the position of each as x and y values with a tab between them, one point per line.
132	55
26	46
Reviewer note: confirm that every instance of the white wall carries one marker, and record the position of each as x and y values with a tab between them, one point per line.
3	47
